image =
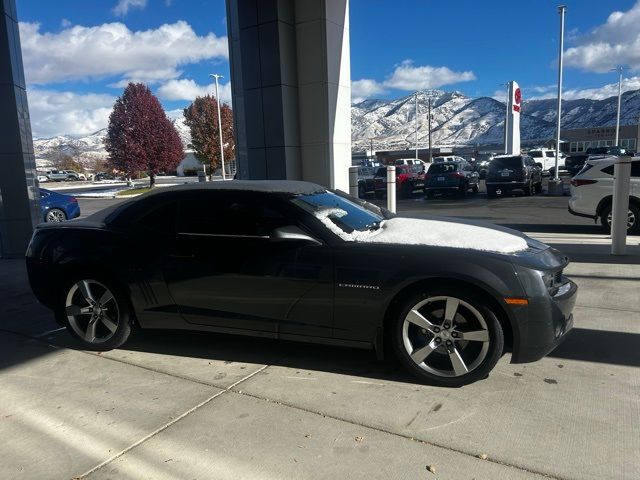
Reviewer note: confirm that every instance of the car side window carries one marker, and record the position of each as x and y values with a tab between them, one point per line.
635	169
160	220
229	214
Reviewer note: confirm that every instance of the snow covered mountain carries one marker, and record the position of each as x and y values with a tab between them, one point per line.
461	120
456	120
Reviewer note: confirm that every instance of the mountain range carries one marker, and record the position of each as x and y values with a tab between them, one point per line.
456	120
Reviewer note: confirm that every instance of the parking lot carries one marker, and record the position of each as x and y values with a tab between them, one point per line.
184	405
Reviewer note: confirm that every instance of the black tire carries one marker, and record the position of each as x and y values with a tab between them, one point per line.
120	305
361	191
491	192
405	190
462	189
528	189
494	337
380	194
538	187
634	210
430	193
55	215
475	188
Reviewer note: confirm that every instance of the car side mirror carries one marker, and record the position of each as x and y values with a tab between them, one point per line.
293	233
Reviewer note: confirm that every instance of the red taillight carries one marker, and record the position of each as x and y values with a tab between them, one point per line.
427	176
458	174
578	182
74	200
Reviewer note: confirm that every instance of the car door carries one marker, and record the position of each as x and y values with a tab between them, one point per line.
224	269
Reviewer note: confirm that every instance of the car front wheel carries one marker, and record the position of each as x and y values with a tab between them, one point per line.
447	338
96	313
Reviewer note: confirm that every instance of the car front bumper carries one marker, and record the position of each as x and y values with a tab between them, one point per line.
544	323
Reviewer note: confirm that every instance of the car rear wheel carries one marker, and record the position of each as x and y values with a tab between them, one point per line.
462	189
55	215
491	192
538	187
96	313
633	219
475	188
361	191
380	195
528	189
447	337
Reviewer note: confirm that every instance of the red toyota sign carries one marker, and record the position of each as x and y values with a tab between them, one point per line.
517	98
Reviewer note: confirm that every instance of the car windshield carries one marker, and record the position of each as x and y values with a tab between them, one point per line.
443	168
382	172
339	214
505	162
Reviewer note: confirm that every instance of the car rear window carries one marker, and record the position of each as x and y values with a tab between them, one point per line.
447	167
381	172
536	154
505	162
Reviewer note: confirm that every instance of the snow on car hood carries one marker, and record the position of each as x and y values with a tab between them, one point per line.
438	233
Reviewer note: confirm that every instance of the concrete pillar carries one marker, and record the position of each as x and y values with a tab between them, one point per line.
290	74
19	205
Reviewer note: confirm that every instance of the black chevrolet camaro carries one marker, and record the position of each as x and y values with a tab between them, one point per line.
293	260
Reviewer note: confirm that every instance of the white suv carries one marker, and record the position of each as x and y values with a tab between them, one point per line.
547	158
592	191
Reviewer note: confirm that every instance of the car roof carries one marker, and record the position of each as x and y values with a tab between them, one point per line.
293	187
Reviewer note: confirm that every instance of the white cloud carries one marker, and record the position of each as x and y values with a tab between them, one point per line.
57	113
407	76
365	88
187	89
616	42
123	6
600	93
111	49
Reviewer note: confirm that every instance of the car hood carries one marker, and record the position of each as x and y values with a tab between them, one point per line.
442	232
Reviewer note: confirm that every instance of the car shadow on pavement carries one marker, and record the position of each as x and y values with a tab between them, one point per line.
600	346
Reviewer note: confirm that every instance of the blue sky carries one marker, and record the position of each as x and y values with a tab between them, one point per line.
79	54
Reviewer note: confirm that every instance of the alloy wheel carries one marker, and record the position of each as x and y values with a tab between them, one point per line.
55	215
92	311
631	219
446	336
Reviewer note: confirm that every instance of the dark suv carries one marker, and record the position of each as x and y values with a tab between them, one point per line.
513	172
408	179
458	177
365	180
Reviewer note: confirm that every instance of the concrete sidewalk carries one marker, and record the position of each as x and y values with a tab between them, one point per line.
184	405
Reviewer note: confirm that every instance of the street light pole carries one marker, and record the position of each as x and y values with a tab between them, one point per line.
430	153
216	76
619	70
561	10
416	125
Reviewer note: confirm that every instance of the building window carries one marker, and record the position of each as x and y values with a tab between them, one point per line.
580	147
573	147
624	143
632	144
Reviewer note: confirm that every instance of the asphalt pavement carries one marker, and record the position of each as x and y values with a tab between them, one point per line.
185	405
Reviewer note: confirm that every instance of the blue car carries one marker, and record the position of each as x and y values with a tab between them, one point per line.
57	207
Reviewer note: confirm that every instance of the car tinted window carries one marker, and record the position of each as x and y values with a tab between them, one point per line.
536	154
445	167
229	213
635	169
551	154
343	213
161	219
382	172
505	162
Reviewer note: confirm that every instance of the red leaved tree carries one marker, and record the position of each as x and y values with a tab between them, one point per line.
140	137
202	119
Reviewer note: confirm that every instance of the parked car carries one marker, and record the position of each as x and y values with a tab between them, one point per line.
57	207
75	175
42	177
592	193
410	161
448	158
546	157
444	177
482	164
513	172
575	162
305	263
408	179
366	180
61	175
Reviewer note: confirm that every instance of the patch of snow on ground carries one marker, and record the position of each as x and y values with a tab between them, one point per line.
409	231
